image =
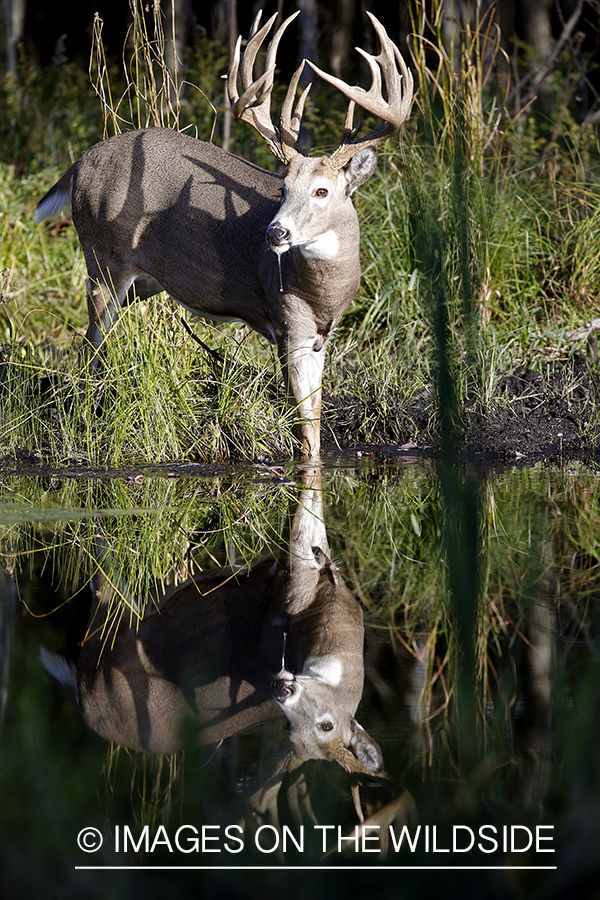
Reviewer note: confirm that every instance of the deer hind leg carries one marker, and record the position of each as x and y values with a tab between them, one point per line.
106	294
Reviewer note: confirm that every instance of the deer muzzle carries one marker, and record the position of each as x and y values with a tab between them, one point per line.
278	237
284	688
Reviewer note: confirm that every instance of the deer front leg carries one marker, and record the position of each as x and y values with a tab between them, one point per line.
303	370
307	533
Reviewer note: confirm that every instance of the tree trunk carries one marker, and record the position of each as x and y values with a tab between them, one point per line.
537	28
341	39
307	24
14	23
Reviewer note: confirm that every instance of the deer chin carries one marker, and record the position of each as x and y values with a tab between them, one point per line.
323	246
280	249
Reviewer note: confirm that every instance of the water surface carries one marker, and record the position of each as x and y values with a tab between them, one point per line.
206	669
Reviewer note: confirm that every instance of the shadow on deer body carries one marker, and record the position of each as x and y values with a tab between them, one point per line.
229	650
159	210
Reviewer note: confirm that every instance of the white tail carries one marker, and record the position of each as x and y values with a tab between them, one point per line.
158	210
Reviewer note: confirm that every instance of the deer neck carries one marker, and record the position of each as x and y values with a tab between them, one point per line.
323	272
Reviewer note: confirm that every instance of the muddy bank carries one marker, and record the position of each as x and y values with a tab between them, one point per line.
532	415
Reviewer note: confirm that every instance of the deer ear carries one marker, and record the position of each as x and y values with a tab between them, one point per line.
368	752
362	165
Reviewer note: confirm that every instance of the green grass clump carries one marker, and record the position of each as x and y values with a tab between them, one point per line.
156	396
42	282
142	533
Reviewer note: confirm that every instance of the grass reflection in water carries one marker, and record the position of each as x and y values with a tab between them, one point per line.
477	726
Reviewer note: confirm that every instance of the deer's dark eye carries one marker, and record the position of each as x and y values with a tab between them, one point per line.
320	192
326	726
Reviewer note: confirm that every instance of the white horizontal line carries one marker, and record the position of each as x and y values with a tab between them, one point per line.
325	868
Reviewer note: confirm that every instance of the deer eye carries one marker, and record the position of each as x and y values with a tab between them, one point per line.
326	726
320	192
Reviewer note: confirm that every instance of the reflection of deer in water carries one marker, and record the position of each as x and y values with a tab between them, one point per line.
213	650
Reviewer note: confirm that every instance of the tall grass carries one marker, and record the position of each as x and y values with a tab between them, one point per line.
159	397
508	220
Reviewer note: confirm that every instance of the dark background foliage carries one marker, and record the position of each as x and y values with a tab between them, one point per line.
327	32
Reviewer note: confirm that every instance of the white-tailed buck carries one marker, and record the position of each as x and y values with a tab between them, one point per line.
158	210
230	650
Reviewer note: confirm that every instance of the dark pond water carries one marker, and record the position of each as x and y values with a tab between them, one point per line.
301	681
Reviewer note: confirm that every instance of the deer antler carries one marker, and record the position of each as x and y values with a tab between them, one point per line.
255	109
264	801
399	87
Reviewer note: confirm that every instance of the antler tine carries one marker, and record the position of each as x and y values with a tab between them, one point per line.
290	124
254	109
255	24
274	45
349	131
247	107
399	85
354	767
252	47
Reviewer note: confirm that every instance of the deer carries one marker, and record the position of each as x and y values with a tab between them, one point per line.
230	649
157	210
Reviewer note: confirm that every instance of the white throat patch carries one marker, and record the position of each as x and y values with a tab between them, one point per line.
326	669
324	246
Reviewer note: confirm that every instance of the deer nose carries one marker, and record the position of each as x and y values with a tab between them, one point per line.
277	234
282	690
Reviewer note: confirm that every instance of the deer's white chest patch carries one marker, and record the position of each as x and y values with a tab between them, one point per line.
324	246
